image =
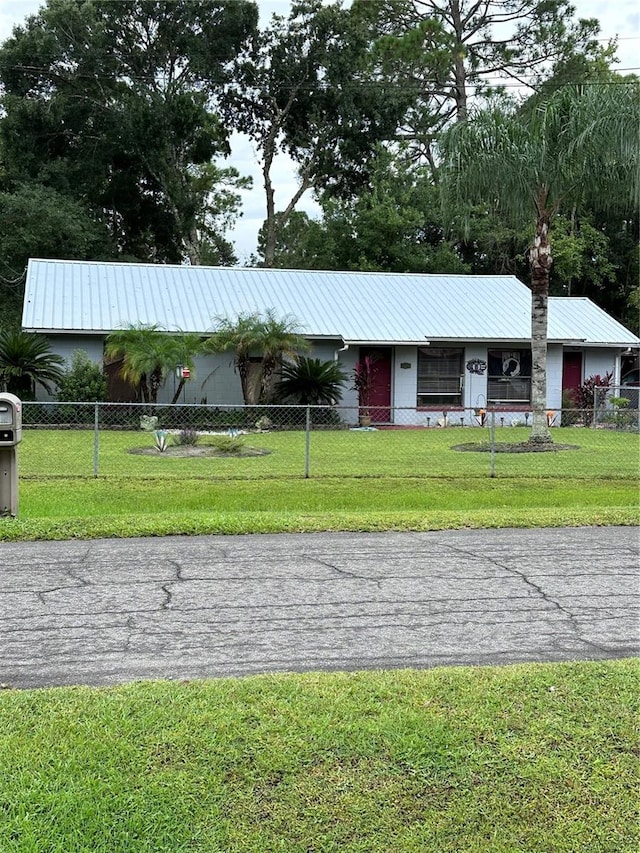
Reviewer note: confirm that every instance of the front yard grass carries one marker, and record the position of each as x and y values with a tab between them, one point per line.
534	757
339	453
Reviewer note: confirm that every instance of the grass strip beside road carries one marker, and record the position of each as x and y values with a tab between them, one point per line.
64	508
526	757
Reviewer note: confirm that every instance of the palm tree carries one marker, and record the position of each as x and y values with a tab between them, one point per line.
26	361
281	338
253	336
311	382
243	336
526	165
148	353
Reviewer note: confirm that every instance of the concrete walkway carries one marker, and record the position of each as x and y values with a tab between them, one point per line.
109	611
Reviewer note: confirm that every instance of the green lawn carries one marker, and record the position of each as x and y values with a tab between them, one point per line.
485	760
404	480
396	453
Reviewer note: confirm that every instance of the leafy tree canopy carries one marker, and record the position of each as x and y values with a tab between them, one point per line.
395	225
109	103
446	51
305	86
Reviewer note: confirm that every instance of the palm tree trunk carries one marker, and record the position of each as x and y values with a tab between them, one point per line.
155	381
540	264
243	365
144	388
269	365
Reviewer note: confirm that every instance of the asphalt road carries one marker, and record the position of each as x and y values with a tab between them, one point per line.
110	611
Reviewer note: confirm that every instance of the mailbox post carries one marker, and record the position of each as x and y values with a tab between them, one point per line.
10	437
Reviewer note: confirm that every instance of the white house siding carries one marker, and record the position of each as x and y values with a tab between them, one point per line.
216	380
67	345
554	377
405	384
475	384
598	362
349	404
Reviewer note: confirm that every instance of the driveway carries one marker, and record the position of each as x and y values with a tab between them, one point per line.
110	611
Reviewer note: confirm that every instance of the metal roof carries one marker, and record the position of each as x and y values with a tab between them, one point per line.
97	297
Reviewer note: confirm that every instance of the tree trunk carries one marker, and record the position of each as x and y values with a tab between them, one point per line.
269	367
176	396
540	264
191	243
155	381
250	375
459	70
243	364
270	225
144	388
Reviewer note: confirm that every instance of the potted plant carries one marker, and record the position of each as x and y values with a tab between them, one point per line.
363	376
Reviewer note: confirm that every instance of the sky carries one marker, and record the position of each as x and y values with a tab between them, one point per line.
620	18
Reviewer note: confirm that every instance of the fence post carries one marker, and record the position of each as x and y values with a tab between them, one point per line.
492	440
307	448
96	434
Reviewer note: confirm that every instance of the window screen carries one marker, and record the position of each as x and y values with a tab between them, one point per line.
440	376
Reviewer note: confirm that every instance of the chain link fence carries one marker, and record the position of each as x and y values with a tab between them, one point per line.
279	442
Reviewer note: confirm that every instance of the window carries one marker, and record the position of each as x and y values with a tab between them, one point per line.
440	376
509	376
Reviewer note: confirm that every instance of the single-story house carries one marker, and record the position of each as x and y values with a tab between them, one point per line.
441	342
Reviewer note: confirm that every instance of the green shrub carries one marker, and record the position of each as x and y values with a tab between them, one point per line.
83	382
310	381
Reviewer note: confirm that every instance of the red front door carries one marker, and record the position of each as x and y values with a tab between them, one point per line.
380	402
571	371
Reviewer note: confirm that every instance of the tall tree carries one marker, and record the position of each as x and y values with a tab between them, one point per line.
110	103
281	338
448	51
577	148
305	87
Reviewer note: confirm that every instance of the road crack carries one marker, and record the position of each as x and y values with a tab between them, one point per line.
167	604
343	572
571	618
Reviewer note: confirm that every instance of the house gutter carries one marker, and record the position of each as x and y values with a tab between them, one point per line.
423	343
336	354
